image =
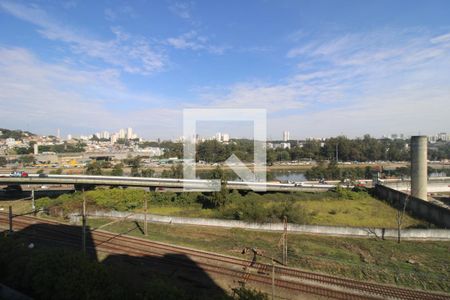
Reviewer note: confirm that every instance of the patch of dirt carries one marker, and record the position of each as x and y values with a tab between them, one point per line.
363	254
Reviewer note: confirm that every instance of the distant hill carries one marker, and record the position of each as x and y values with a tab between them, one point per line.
15	134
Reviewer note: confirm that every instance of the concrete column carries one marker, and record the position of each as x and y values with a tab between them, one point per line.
419	166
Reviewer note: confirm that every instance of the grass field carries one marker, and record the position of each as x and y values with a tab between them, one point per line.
422	265
321	209
358	209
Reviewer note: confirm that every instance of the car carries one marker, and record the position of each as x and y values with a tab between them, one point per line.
43	175
16	174
24	174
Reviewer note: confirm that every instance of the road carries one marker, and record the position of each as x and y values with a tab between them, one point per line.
186	184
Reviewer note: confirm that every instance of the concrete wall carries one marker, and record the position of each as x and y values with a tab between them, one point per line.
434	185
428	211
428	234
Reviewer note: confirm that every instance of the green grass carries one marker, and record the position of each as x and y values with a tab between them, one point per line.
423	265
18	206
321	209
180	211
366	211
338	208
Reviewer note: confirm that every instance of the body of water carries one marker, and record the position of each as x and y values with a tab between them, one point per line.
283	176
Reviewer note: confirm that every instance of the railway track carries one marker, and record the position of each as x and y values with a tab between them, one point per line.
287	278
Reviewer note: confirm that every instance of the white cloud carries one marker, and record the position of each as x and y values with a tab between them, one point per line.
182	9
112	14
255	95
131	54
192	41
48	96
373	82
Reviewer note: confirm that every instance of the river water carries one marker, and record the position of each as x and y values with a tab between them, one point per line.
285	176
282	175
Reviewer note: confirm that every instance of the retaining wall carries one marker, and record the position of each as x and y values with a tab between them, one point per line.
429	234
426	210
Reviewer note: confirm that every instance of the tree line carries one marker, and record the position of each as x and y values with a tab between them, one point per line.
339	148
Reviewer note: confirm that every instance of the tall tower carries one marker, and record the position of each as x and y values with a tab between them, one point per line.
58	133
129	133
419	167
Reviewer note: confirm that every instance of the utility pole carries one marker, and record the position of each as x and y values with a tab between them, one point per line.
285	242
33	204
83	232
337	152
145	217
273	279
10	217
255	254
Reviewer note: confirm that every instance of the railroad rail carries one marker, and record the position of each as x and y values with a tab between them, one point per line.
290	279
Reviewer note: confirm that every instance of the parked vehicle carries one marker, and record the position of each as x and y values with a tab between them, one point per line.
43	175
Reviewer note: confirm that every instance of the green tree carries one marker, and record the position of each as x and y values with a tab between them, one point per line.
135	172
219	198
117	170
134	162
147	172
93	168
57	171
176	171
27	160
24	150
3	161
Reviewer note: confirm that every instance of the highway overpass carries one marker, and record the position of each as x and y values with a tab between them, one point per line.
170	183
435	185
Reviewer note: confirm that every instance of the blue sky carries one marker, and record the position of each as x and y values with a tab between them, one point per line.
320	68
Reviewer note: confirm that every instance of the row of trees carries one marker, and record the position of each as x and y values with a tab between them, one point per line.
25	160
344	149
59	148
341	148
137	170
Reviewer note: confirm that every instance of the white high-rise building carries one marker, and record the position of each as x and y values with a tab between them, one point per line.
442	136
69	137
225	137
105	135
114	138
286	136
129	133
122	133
218	137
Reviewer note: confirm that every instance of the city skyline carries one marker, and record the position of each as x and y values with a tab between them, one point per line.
373	69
